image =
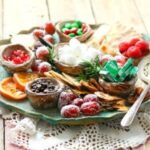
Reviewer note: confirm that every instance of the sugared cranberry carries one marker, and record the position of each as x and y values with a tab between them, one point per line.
78	102
37	33
90	98
90	108
121	60
35	64
44	67
42	52
49	38
105	58
65	98
70	111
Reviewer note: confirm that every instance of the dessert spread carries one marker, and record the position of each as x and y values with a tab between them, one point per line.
76	79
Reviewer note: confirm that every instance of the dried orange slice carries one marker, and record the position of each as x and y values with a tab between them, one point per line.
22	78
8	89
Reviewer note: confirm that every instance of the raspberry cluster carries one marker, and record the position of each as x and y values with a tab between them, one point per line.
135	48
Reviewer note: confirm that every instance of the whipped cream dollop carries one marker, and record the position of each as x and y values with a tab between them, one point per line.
76	53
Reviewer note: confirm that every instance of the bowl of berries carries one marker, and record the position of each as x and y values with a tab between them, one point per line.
16	58
135	48
73	29
44	92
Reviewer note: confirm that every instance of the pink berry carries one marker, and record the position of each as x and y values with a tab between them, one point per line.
105	58
37	33
35	64
133	41
121	60
44	67
49	38
90	108
90	98
42	52
65	98
123	46
78	102
70	111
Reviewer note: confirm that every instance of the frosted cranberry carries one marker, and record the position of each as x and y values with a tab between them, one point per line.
37	33
65	98
90	98
90	108
44	67
78	101
70	111
35	64
49	38
42	52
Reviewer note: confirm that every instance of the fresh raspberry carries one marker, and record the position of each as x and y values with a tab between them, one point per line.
134	52
70	111
133	41
44	67
65	98
144	46
78	102
90	98
90	108
123	46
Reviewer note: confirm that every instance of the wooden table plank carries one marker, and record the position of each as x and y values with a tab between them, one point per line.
23	15
143	7
1	134
83	11
111	11
61	10
1	18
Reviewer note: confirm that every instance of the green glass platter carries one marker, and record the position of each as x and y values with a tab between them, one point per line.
52	115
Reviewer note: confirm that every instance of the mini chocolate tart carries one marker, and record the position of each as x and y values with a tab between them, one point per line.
72	70
9	65
122	89
44	92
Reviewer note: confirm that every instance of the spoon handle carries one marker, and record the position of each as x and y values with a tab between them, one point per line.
129	116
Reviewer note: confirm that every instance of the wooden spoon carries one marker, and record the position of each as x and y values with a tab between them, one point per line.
144	74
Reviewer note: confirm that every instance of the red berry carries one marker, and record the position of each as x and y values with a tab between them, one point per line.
133	41
144	46
70	111
123	46
134	52
48	38
121	60
65	98
67	32
49	28
38	33
35	64
90	108
44	67
42	52
17	60
90	98
78	102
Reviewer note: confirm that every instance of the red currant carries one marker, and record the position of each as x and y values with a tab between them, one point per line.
133	41
134	52
123	46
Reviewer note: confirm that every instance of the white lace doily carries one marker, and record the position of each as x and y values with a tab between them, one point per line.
39	135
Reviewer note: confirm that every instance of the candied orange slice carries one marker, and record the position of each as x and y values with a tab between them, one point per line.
22	78
9	90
